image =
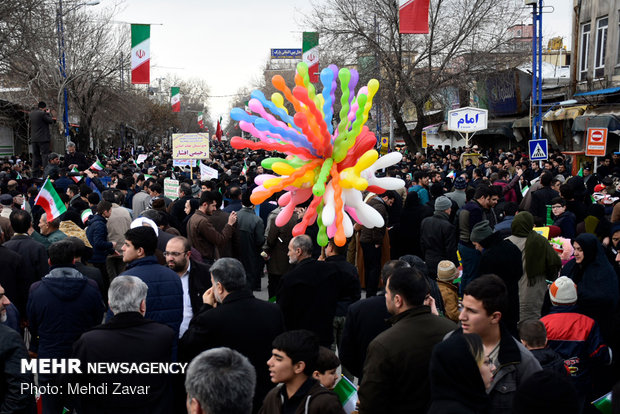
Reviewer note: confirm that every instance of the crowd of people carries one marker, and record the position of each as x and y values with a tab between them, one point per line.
492	286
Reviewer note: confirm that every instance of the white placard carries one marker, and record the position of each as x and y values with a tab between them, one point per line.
208	173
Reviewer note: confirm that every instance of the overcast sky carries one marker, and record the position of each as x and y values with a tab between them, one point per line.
227	42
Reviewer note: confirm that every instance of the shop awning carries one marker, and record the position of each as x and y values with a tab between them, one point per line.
606	91
610	121
570	112
521	122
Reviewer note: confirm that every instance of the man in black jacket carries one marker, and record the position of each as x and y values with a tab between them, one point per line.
309	292
40	120
232	317
194	276
439	236
365	320
128	337
541	198
74	159
12	352
33	252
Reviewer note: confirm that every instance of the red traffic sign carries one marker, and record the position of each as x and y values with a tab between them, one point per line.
596	143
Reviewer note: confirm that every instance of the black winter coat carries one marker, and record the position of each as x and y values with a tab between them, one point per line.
12	351
308	295
438	240
127	337
243	323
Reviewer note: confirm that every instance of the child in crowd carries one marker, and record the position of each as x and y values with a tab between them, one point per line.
326	366
446	273
534	337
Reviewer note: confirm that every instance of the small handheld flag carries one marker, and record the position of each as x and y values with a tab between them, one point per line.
97	166
347	394
50	201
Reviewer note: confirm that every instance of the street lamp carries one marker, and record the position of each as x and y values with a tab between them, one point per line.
61	58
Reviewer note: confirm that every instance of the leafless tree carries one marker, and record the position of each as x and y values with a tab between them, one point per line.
467	39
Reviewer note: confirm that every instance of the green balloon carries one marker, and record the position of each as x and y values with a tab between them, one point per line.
318	189
321	237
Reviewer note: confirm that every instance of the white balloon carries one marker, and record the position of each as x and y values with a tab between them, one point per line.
389	183
368	216
329	205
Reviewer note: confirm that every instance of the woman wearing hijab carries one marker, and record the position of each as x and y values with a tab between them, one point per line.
597	283
459	376
540	263
191	206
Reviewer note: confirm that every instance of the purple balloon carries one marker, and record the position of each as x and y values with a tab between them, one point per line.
355	76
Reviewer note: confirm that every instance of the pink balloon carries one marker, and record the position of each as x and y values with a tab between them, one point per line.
331	230
295	197
351	211
256	106
261	178
262	135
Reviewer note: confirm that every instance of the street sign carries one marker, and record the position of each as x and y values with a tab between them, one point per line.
424	143
385	143
467	119
597	142
538	150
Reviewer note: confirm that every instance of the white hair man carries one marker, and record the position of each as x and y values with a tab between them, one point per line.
127	337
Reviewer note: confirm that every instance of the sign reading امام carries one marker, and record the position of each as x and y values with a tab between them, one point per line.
190	146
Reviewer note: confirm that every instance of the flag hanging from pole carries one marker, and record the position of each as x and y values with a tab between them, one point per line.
140	54
218	130
413	16
245	168
310	49
175	98
201	122
49	200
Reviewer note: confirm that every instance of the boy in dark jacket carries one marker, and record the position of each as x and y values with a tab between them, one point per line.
293	360
534	337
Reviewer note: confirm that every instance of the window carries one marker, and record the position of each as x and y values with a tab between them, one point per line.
584	49
601	44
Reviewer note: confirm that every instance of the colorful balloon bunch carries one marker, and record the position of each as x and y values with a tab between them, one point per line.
332	165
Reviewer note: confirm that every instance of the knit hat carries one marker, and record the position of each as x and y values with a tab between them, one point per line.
460	183
480	231
442	203
563	291
446	271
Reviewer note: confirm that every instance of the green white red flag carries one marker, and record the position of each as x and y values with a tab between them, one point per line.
347	394
86	215
50	201
201	122
97	166
175	98
76	178
310	49
140	54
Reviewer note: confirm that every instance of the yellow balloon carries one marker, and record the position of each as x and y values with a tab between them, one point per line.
278	101
350	177
282	168
271	182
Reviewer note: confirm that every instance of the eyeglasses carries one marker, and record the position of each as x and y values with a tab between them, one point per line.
174	254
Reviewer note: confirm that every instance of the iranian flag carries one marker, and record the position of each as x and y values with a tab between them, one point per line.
310	49
347	394
413	16
97	166
245	168
140	53
175	98
86	215
49	200
76	178
201	122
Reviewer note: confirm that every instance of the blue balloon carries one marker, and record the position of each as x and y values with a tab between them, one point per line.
274	109
239	114
327	77
293	137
